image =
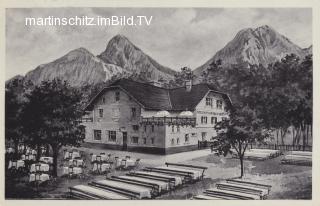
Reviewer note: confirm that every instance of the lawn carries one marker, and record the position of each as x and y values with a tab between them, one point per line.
288	181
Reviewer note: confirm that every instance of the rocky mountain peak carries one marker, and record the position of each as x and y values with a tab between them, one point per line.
262	45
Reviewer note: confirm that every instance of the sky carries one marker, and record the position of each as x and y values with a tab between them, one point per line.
176	37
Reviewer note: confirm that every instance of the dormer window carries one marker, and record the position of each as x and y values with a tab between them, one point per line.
100	113
117	96
209	101
219	104
133	112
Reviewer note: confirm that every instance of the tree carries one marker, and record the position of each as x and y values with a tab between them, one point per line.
14	99
180	77
236	133
51	117
12	118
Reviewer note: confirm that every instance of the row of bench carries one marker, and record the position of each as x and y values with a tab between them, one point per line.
298	158
233	189
145	184
259	154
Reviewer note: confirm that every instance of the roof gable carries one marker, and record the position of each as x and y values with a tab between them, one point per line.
156	98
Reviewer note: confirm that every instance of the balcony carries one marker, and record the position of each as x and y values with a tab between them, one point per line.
184	121
86	119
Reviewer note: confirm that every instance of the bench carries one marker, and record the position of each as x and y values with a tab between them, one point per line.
188	166
243	189
122	191
233	194
187	176
170	181
253	184
154	187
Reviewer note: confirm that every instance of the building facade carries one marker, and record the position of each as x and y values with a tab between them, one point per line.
135	116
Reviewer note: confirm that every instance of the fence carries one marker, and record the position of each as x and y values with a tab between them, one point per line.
282	147
207	144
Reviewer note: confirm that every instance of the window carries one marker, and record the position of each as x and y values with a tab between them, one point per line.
135	140
135	127
172	141
204	120
112	136
144	140
152	128
186	138
178	140
172	129
133	112
152	140
117	96
115	112
100	113
178	128
145	128
219	104
203	135
209	101
214	120
97	134
103	100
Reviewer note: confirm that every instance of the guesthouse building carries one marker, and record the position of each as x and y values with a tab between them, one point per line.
134	116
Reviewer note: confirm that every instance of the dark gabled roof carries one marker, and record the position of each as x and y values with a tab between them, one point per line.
156	98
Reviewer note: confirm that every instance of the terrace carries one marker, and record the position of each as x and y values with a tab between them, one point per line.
184	121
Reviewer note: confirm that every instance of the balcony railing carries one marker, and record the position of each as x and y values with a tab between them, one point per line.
86	119
169	120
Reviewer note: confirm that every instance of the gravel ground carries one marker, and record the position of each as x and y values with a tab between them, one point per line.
288	181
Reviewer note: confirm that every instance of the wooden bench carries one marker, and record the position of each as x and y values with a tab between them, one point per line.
75	194
170	181
232	194
187	175
245	183
122	191
189	166
243	189
154	187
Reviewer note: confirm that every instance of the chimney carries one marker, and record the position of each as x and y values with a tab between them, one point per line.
188	84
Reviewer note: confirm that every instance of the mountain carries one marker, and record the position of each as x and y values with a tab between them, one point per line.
308	50
121	52
121	59
78	67
262	45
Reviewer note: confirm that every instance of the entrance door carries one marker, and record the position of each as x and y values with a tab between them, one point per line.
124	140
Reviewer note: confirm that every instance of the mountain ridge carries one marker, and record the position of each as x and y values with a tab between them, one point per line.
121	58
262	45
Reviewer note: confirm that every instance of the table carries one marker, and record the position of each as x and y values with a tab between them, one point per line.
195	174
72	170
17	164
103	157
43	167
76	162
28	157
144	192
125	162
48	160
71	155
10	150
102	167
40	177
31	151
